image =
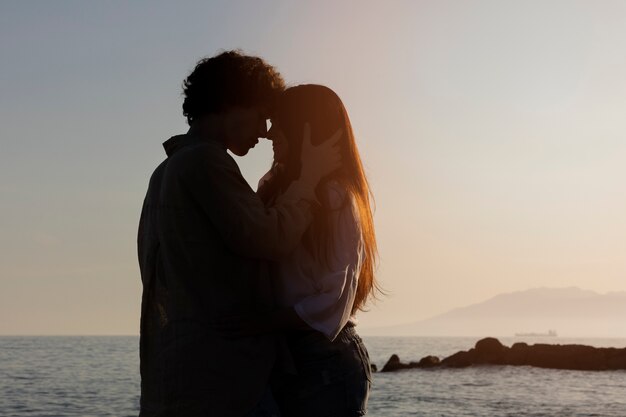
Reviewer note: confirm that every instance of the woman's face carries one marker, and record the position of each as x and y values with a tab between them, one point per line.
279	143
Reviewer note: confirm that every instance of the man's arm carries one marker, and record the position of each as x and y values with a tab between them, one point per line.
245	224
242	220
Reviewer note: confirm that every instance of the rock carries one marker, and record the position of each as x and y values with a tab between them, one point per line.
460	359
489	351
394	364
429	362
577	357
489	347
373	367
517	354
616	358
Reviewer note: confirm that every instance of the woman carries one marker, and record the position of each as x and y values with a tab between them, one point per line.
330	276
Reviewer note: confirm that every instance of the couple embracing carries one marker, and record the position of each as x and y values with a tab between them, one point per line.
249	298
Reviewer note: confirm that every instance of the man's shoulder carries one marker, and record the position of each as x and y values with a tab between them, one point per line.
202	153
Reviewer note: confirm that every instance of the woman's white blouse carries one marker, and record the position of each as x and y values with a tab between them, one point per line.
322	292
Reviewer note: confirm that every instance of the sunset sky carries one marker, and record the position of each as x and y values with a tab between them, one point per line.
493	133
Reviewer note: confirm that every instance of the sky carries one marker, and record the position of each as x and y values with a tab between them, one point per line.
492	132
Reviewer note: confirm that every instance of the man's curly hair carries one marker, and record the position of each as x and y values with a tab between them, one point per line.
229	79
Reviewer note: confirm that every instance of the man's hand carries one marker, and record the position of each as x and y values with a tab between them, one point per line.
242	326
321	160
257	324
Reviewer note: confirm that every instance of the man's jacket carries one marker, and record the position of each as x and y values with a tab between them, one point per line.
204	237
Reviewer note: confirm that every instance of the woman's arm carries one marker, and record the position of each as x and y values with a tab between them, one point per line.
330	308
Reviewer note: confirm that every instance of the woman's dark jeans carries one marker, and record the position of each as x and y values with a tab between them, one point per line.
333	379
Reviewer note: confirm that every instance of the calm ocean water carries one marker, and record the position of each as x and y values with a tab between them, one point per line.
99	376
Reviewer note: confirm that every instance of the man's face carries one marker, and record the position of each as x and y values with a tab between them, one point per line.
243	127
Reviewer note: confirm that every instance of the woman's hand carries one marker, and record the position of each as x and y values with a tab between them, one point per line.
321	160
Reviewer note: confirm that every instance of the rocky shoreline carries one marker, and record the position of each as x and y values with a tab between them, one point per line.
489	351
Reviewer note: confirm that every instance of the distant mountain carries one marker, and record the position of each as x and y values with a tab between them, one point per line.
570	311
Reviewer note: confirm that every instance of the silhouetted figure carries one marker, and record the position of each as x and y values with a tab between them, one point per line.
330	274
203	239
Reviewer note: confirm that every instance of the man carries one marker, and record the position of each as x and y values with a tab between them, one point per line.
203	238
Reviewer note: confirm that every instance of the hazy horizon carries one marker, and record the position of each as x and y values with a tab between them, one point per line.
492	132
391	329
569	312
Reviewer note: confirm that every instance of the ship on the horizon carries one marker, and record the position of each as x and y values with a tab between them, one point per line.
551	333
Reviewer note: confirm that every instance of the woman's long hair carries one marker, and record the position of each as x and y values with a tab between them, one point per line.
323	110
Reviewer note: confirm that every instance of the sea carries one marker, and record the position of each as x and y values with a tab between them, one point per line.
85	376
